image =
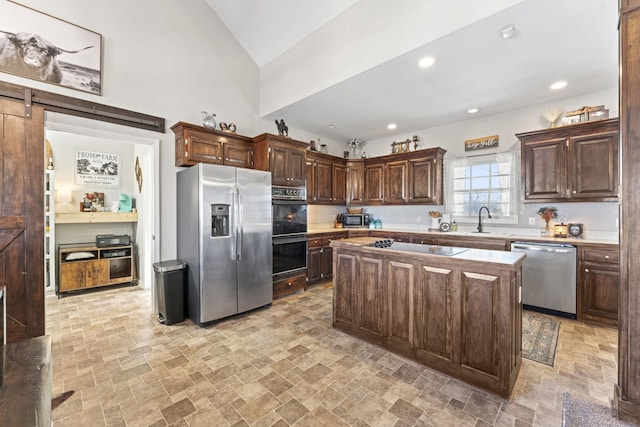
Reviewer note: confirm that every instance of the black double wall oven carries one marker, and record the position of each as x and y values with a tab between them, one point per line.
289	210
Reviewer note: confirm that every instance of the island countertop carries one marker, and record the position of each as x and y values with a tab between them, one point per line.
466	254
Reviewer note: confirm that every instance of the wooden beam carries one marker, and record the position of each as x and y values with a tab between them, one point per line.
82	108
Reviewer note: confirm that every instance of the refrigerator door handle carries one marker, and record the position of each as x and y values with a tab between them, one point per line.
240	233
234	226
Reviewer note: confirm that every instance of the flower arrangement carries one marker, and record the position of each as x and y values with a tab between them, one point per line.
548	213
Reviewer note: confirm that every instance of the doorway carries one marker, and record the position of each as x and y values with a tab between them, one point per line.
139	157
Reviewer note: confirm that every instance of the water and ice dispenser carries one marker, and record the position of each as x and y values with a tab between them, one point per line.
219	220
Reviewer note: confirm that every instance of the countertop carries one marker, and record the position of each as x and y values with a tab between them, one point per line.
525	235
482	255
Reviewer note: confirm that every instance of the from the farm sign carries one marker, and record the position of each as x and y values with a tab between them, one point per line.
94	169
481	143
41	47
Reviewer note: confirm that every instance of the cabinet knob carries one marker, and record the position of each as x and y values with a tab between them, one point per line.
606	257
574	192
586	270
289	284
527	194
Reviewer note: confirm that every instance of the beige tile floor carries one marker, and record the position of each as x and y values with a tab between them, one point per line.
286	366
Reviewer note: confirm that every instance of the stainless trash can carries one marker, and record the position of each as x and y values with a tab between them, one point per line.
170	290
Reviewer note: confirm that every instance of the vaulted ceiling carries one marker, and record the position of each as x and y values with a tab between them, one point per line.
475	66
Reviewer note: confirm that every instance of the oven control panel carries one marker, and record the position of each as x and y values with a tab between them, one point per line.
288	193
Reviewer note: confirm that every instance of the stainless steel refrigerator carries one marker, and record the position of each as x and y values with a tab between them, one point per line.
224	235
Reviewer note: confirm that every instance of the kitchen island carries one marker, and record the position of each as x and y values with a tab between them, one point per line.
456	310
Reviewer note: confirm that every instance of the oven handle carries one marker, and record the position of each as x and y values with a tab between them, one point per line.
289	239
288	201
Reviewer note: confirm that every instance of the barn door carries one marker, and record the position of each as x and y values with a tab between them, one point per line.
22	218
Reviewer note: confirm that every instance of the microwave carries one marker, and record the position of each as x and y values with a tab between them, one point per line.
353	220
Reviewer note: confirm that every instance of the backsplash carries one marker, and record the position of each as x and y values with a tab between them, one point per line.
596	217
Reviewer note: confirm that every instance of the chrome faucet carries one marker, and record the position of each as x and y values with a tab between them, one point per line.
480	218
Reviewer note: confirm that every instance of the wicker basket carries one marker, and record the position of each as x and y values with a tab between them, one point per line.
354	210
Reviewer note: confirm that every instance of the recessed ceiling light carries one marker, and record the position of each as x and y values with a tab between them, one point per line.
508	32
558	85
391	126
473	110
427	61
332	126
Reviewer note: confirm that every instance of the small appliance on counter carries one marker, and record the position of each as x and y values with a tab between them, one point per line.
353	219
126	203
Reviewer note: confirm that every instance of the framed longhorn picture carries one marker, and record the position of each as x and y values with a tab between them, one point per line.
41	47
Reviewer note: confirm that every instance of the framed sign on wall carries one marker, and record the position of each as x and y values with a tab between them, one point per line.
95	169
41	47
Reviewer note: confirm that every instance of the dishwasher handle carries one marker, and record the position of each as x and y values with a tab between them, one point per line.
558	249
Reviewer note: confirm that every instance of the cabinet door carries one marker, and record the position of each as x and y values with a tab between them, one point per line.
314	264
395	179
339	184
355	183
296	167
71	276
374	184
201	148
594	166
545	170
327	262
323	176
346	288
278	165
238	155
96	273
599	293
436	326
425	181
372	297
312	183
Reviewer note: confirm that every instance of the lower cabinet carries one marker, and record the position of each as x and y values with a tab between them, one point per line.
320	256
598	282
289	285
82	266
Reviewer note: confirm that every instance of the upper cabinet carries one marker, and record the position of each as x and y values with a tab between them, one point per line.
284	157
326	179
355	182
198	144
407	178
572	163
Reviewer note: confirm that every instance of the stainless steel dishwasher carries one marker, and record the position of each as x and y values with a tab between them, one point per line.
548	277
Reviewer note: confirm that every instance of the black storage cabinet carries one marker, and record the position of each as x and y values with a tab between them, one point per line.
170	290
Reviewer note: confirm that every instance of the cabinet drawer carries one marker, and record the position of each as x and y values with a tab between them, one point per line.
289	285
609	256
315	240
328	238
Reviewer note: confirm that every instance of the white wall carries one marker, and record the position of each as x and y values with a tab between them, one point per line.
170	59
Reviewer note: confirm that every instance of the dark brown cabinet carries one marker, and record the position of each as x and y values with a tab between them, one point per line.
405	178
374	182
198	144
284	157
320	256
397	236
571	163
434	310
425	180
598	282
326	179
355	182
289	285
